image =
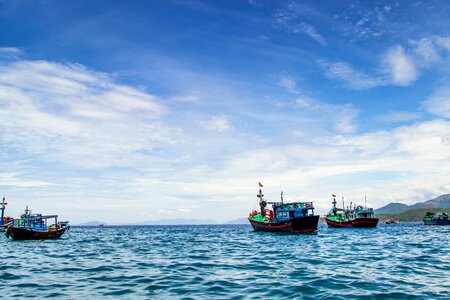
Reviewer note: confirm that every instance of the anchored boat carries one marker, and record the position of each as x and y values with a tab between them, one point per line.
284	217
4	221
353	217
36	227
432	218
391	221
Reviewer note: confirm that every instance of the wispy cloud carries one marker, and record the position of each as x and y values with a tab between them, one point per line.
288	82
217	123
71	114
365	21
18	180
10	51
291	20
398	117
400	67
343	116
439	103
350	77
311	31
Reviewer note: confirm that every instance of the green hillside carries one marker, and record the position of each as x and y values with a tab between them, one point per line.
410	215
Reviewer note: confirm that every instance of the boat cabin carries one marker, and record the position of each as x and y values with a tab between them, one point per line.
284	211
38	222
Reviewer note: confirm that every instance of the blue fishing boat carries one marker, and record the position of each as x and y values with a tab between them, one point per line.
284	217
36	227
357	216
432	218
4	221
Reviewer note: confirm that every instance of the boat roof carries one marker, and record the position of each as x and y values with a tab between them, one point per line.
38	217
288	203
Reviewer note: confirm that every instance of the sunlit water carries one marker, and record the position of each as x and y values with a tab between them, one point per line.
230	262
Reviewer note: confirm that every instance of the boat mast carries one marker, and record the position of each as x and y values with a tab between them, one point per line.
3	210
262	203
334	204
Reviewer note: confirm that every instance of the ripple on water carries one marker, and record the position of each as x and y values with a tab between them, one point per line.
233	262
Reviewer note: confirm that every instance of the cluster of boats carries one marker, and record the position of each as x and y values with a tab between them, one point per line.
31	226
299	216
282	217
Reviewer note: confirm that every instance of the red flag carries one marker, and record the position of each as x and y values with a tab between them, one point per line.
334	196
260	184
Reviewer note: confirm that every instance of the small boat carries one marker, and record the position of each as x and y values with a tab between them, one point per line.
36	227
284	217
4	221
356	217
391	221
432	218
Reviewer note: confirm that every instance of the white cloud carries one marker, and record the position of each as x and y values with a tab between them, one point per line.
349	76
439	103
217	123
426	52
351	165
10	51
400	67
288	82
17	180
443	42
398	117
292	21
310	31
77	116
343	116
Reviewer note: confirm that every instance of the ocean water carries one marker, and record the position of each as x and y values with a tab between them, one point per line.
230	262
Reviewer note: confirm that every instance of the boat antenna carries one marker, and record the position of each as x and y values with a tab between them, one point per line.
281	197
343	205
365	200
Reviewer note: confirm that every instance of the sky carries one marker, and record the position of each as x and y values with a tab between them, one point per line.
127	111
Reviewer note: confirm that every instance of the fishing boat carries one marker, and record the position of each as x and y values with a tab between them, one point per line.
432	218
284	217
354	217
36	227
4	221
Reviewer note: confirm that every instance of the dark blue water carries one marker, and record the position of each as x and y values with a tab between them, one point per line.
230	262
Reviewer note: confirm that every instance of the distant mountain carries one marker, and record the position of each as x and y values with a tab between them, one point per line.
176	222
238	221
392	208
442	201
410	215
91	223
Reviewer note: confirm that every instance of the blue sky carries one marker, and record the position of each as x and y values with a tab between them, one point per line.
140	110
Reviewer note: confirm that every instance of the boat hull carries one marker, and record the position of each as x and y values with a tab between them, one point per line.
18	233
356	223
305	224
436	222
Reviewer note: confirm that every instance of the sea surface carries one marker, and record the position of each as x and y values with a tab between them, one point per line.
407	261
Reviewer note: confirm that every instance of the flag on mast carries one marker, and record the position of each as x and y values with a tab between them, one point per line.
333	195
260	184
